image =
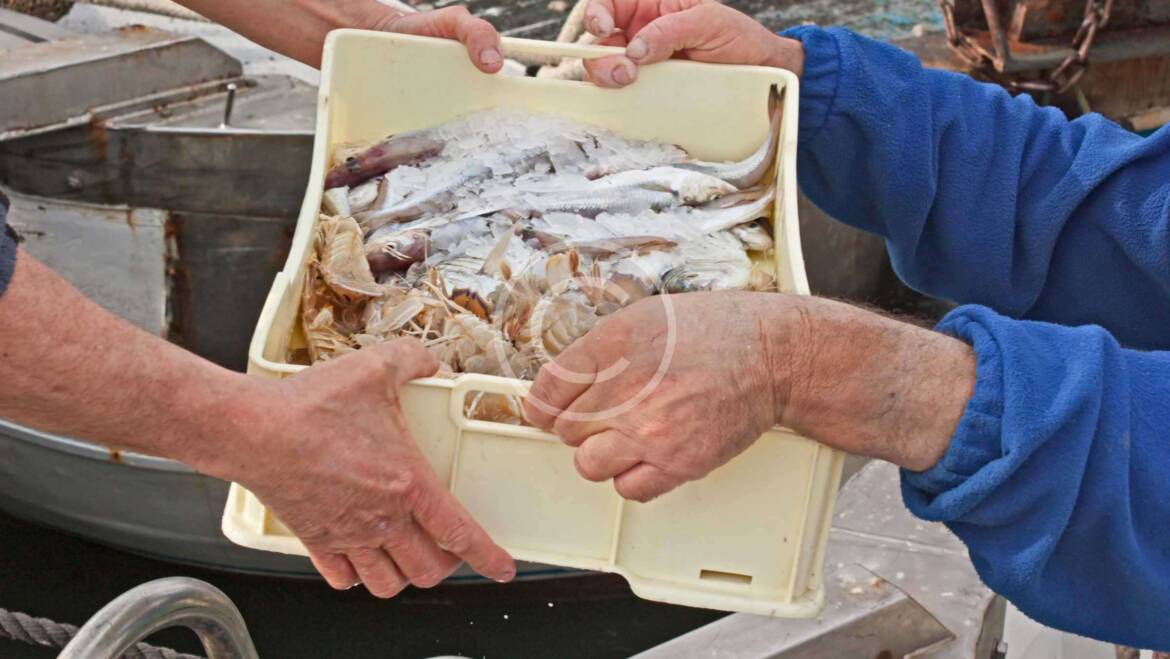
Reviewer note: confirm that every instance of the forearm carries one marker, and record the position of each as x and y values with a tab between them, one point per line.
868	384
70	367
296	28
995	201
1056	477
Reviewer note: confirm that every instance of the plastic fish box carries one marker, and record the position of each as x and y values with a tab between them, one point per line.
750	537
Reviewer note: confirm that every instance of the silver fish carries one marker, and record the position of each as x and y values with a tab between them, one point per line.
719	216
614	200
755	236
692	187
434	199
711	263
750	171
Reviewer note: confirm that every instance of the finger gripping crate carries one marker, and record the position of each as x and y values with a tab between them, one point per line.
751	536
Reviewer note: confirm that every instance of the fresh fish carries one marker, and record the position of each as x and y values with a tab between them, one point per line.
389	252
692	187
646	269
719	216
610	201
750	171
603	247
381	158
711	263
755	236
336	202
434	199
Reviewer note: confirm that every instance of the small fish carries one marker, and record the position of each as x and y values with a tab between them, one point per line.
755	236
604	247
720	216
381	158
712	263
391	252
750	171
611	201
692	187
434	199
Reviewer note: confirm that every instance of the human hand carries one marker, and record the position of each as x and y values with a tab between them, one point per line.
341	470
672	387
456	22
697	389
699	30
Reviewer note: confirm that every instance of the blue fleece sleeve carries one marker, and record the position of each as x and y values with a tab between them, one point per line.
984	198
1056	478
7	247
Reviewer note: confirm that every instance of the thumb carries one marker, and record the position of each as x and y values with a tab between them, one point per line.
644	483
408	359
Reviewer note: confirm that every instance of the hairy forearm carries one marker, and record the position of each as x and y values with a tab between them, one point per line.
868	384
68	366
296	28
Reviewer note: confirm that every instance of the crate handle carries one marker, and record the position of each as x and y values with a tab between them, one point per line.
470	383
513	47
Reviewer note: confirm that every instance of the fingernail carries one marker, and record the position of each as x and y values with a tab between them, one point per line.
490	56
621	74
354	585
637	48
601	25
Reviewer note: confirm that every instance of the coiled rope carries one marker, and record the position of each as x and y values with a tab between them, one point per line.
15	626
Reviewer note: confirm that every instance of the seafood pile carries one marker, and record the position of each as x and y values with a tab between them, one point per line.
499	238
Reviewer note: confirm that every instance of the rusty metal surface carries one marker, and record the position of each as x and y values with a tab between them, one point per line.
93	71
27	29
171	157
1029	20
220	273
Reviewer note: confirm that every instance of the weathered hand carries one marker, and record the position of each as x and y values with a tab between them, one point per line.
653	406
672	387
477	35
343	473
700	30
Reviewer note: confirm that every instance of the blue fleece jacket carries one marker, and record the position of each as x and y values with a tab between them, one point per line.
1057	234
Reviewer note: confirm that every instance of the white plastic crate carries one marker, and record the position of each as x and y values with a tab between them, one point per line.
750	537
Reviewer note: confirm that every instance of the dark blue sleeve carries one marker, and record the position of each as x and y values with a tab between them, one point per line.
7	247
984	198
1056	478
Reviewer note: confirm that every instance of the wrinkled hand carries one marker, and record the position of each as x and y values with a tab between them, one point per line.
700	30
480	38
343	473
654	407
